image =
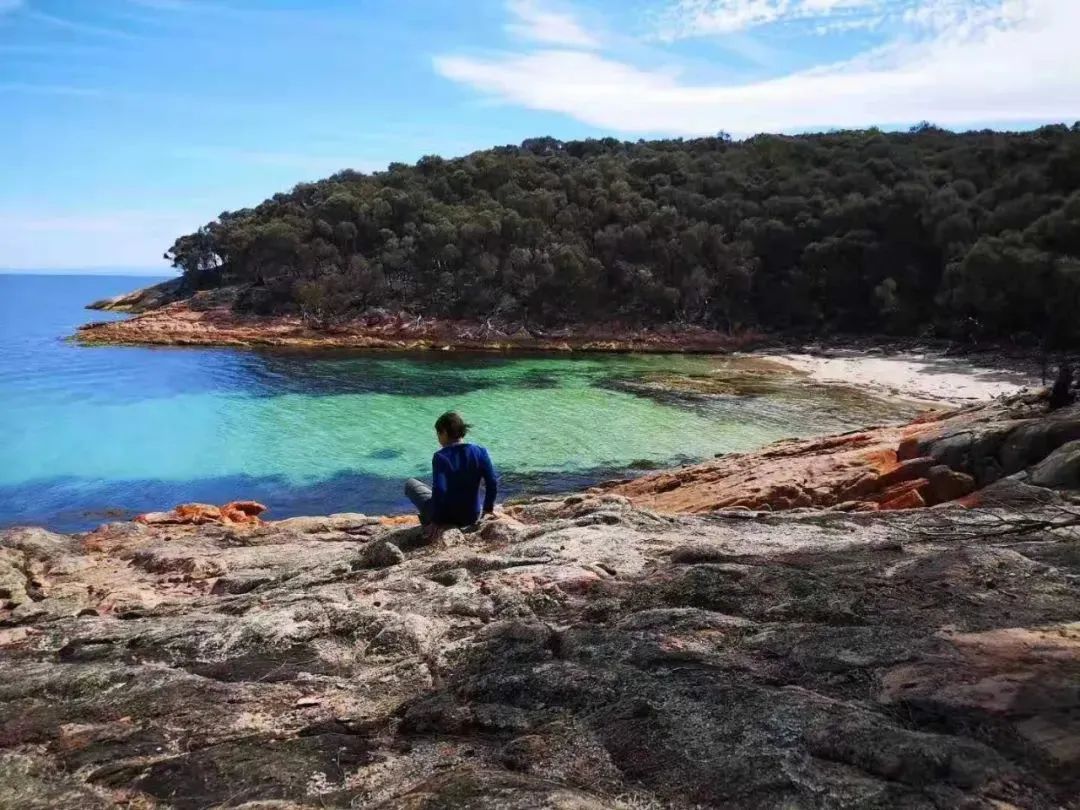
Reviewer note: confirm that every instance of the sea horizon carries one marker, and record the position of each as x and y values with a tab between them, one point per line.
133	272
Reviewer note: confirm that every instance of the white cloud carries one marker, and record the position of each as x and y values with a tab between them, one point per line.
697	18
1017	64
683	19
533	22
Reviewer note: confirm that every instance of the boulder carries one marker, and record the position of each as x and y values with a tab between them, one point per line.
906	471
242	512
1059	470
901	490
910	499
503	530
451	537
908	449
381	554
1011	493
953	450
199	514
946	484
13	580
144	299
1032	442
39	544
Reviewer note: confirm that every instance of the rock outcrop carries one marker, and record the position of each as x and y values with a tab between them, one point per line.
207	318
575	653
143	300
197	514
939	458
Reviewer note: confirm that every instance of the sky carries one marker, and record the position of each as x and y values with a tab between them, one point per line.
126	123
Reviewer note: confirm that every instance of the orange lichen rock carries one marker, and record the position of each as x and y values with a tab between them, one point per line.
399	520
242	512
901	490
198	514
209	319
910	499
889	467
906	471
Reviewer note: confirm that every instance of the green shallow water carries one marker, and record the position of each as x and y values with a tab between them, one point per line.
92	433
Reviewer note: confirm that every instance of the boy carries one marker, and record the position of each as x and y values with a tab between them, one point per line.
456	472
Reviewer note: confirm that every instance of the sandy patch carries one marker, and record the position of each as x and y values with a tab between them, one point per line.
920	377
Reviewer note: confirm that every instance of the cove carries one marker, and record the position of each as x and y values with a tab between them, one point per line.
90	434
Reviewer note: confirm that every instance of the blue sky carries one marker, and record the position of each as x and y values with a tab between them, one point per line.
129	122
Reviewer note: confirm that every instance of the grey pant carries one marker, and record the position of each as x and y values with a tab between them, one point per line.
420	494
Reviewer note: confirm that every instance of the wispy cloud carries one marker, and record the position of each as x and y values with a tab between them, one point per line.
165	5
684	19
533	21
697	18
1014	61
49	89
77	26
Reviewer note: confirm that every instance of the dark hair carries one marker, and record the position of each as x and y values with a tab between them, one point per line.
452	425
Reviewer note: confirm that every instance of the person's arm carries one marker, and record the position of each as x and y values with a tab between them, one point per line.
491	482
438	488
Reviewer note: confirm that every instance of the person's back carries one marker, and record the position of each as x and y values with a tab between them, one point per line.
457	470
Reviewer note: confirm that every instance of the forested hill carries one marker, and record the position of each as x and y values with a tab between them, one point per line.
973	235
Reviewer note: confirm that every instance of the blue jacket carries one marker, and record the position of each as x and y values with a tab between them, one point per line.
456	473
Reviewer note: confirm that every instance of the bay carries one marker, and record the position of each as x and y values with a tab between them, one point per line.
90	434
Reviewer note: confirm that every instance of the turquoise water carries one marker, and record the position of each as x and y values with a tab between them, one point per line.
89	434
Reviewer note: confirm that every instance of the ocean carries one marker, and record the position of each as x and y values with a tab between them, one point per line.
94	434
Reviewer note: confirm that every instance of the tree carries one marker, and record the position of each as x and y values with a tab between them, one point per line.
973	235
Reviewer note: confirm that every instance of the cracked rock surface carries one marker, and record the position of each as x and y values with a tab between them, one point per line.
575	653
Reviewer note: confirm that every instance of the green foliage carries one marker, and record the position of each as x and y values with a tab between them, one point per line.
973	235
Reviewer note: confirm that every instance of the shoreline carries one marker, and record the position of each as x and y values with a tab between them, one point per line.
924	372
179	325
923	377
210	322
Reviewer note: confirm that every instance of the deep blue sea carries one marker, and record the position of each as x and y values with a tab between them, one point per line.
94	434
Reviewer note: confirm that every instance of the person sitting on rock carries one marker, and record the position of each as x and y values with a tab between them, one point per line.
456	472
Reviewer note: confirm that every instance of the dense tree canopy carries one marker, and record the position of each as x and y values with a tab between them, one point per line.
973	235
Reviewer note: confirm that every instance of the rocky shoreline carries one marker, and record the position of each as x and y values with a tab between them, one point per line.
656	643
922	370
207	319
884	618
941	456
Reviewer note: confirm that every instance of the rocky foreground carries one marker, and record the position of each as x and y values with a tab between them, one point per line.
580	652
